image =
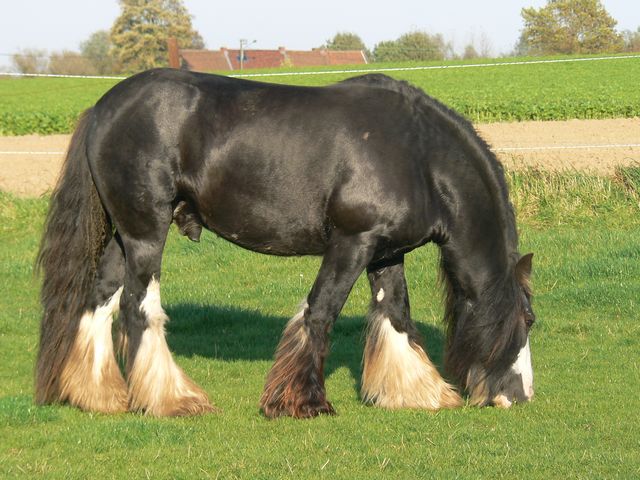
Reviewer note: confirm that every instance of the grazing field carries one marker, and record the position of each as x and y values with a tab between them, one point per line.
228	307
550	91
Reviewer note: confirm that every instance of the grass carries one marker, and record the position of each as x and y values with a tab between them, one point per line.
556	91
228	307
546	198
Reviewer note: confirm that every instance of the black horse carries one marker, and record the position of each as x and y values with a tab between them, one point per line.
360	172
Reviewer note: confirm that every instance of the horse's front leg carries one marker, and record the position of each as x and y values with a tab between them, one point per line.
295	384
397	370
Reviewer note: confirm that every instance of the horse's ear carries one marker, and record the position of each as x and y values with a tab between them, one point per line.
523	267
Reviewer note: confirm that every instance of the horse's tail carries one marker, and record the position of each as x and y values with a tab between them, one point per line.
74	237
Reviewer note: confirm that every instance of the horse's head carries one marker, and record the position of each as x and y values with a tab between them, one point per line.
489	348
507	376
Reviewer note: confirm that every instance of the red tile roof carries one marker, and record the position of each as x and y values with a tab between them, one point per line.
307	59
257	58
226	59
346	57
204	60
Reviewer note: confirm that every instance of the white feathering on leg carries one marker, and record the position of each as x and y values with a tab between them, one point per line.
157	385
398	373
91	378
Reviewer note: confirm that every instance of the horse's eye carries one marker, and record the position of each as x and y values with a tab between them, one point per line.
529	319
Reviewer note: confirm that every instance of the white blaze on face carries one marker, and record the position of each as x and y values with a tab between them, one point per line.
522	367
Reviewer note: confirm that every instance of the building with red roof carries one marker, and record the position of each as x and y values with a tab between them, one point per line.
229	59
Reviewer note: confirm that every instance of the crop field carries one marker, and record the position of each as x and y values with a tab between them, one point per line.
550	91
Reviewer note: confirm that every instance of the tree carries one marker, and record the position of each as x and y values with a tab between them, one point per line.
96	49
485	46
631	40
470	52
569	26
139	35
478	47
31	61
70	63
345	41
412	46
521	48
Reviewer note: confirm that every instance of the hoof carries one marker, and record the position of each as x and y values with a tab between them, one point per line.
309	411
114	401
187	407
108	399
304	410
194	401
501	401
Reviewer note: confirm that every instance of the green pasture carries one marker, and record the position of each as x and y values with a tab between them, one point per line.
228	307
549	91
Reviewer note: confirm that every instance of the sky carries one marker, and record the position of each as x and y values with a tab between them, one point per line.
294	24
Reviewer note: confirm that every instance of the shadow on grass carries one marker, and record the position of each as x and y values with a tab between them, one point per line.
227	333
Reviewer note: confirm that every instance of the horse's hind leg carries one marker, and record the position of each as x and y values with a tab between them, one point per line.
397	372
295	384
157	385
91	378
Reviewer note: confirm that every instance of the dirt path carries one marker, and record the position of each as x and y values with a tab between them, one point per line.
588	145
29	165
33	173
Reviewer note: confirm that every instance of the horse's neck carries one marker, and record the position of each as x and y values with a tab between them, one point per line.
476	255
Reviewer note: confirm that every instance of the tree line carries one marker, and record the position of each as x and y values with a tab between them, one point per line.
138	39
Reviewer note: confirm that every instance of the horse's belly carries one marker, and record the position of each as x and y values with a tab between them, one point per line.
269	232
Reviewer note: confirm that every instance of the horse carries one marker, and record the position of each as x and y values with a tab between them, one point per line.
360	172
